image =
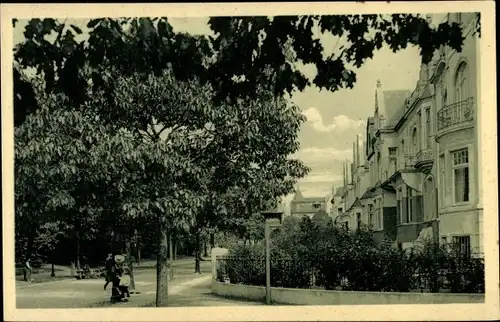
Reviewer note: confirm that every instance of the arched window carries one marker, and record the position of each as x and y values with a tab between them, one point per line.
414	140
444	99
461	83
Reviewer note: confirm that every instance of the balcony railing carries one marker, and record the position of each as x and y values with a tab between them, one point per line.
456	113
409	160
425	155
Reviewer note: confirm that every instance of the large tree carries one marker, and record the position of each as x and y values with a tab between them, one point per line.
253	51
148	113
245	54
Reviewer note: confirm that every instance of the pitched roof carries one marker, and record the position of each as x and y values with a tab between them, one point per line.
309	199
339	192
394	101
298	195
370	193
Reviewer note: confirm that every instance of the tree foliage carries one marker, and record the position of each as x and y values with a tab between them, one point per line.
133	121
264	50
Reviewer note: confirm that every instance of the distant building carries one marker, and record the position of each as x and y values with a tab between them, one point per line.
302	206
337	207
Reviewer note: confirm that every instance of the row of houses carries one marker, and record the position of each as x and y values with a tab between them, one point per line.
415	175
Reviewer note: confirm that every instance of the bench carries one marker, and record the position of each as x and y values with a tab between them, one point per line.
90	273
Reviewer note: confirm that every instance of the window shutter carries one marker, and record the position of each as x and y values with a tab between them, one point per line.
405	210
419	209
398	212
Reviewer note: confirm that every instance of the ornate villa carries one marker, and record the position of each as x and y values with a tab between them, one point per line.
415	175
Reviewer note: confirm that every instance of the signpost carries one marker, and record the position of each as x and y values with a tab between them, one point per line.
272	220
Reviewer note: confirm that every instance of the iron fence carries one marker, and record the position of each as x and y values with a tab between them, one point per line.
464	275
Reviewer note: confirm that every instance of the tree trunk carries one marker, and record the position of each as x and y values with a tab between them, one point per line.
78	250
171	255
138	243
212	240
161	266
197	268
205	253
53	271
175	249
130	265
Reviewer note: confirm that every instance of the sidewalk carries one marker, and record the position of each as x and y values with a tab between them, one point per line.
73	293
63	273
145	294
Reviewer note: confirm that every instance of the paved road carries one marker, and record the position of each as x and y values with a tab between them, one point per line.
187	289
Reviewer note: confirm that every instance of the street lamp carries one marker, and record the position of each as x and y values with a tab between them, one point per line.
272	220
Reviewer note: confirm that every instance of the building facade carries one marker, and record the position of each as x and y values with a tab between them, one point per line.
308	206
455	79
421	150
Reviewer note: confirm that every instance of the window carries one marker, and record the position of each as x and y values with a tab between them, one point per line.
461	83
461	244
401	206
428	126
444	99
379	168
339	210
460	170
409	194
346	225
444	242
379	217
414	140
358	220
371	217
393	160
442	184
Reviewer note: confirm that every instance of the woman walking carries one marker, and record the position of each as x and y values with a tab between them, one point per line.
110	270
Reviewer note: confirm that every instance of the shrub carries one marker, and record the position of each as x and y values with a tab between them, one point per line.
306	253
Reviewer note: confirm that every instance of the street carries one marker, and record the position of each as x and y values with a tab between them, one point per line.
187	289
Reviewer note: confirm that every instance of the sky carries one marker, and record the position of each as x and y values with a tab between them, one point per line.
333	119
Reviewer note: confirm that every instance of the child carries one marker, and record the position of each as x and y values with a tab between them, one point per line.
125	282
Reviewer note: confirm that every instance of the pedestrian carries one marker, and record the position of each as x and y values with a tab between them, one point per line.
124	283
110	270
27	270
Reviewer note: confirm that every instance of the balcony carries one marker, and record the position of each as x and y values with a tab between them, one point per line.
454	114
409	161
424	159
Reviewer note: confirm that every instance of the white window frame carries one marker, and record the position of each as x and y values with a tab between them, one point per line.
400	194
454	167
428	127
409	204
441	176
379	214
461	82
455	241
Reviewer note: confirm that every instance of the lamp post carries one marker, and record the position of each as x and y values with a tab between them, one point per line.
272	220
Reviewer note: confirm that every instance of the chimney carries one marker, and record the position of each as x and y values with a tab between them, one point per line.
354	153
343	174
379	83
358	164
